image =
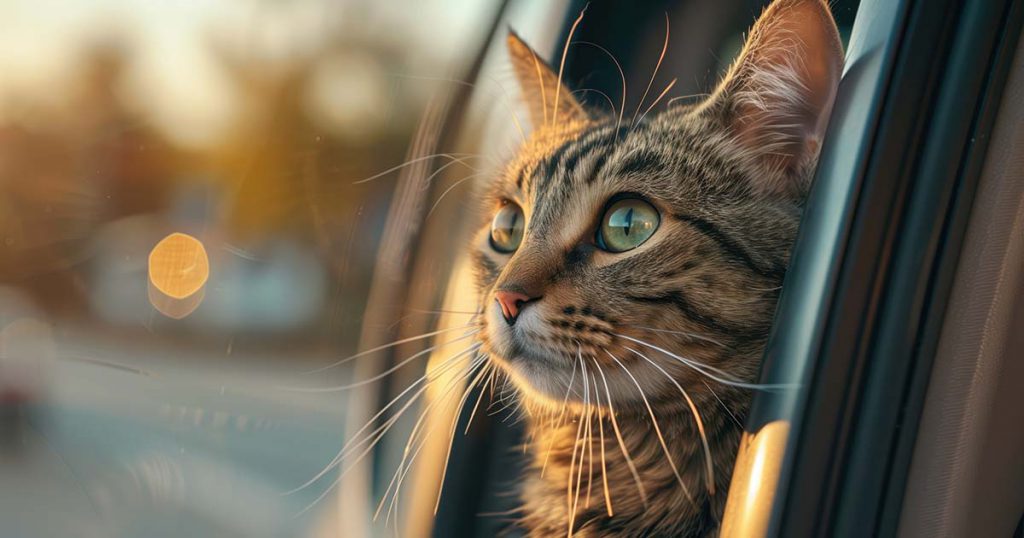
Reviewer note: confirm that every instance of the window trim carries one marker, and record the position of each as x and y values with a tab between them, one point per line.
858	319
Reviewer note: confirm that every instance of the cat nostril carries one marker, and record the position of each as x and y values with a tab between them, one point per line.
511	303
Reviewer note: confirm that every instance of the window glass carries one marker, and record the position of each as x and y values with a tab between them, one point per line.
184	234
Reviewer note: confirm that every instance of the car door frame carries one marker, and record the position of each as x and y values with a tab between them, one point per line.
860	313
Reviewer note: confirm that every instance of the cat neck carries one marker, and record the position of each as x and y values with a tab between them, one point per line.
651	475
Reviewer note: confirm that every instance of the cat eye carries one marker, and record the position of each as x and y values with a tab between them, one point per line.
626	224
507	228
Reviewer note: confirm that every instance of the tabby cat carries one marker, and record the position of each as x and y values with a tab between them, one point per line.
629	272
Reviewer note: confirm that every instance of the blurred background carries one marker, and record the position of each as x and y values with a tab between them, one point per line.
132	407
201	201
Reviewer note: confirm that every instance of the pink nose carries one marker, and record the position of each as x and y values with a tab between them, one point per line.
511	303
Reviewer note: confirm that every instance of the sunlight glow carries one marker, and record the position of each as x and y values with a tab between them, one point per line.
754	481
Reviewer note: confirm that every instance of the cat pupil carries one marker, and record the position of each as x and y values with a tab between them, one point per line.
506	230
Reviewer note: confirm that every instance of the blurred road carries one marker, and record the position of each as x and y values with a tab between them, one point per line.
139	443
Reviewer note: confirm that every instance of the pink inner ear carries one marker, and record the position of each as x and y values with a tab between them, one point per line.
783	85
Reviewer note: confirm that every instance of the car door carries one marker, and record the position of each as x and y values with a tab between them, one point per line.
870	318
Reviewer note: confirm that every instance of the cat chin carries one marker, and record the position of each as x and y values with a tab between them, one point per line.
540	385
539	379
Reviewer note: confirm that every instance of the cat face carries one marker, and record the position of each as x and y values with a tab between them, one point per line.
645	259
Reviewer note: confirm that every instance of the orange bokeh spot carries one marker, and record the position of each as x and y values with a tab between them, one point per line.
178	265
178	270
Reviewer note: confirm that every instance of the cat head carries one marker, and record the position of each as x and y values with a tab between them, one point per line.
651	255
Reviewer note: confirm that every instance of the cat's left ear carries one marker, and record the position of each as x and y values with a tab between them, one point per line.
777	96
548	101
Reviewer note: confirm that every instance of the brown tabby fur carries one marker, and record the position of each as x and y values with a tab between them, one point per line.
728	177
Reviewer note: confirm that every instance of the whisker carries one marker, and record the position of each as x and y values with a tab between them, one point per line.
406	464
561	416
664	49
474	363
455	157
657	428
385	373
374	437
561	66
442	168
693	336
725	407
479	397
443	311
604	467
417	428
681	97
449	189
662	94
529	440
599	92
696	417
414	311
514	411
240	252
451	435
494	376
480	360
622	77
704	369
393	505
590	444
618	436
511	109
353	464
503	399
571	504
508	512
356	441
386	346
540	84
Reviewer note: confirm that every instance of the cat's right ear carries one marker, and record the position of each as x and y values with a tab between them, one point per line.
777	96
547	100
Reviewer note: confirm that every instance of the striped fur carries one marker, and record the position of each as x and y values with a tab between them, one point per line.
590	359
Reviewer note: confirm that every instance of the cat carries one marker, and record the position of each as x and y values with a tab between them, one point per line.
628	275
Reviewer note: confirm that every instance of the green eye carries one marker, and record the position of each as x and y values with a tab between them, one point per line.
627	224
507	228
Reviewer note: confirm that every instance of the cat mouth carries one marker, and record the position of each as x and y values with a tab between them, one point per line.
520	349
549	377
532	366
544	376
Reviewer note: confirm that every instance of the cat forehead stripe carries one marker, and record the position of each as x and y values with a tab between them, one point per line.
561	162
